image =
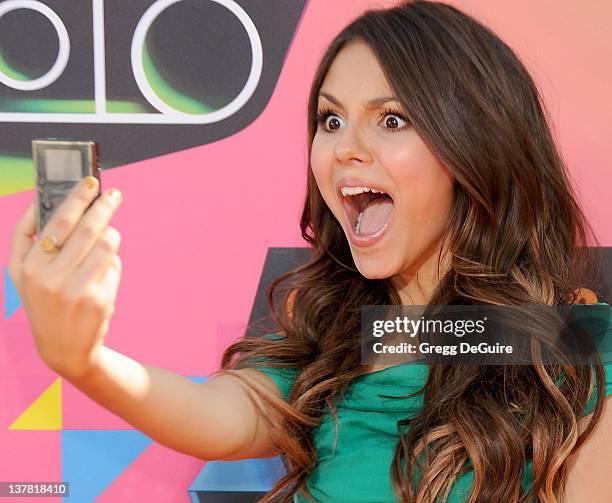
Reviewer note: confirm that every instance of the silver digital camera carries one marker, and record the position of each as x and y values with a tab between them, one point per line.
59	165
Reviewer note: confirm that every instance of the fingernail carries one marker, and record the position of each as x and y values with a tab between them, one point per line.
91	182
114	193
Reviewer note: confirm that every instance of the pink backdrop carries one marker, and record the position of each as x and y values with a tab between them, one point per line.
192	263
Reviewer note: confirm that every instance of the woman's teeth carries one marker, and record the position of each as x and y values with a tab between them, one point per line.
358	222
363	202
351	191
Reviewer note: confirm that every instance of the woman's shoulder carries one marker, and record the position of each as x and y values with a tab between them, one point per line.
283	377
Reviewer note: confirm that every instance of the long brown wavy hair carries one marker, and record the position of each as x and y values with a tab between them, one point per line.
517	236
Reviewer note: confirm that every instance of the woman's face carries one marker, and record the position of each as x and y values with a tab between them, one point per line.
359	147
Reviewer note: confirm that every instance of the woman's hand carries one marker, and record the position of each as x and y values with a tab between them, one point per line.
69	293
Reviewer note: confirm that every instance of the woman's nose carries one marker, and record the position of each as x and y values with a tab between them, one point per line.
350	145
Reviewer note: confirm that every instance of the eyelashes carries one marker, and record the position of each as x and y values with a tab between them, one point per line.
323	114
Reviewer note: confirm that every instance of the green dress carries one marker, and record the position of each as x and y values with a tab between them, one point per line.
358	471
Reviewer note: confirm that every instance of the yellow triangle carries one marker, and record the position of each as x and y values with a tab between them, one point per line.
45	413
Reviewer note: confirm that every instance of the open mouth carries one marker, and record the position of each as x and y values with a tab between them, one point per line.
368	210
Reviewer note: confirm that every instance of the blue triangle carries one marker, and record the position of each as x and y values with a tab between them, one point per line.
244	475
199	380
93	459
11	299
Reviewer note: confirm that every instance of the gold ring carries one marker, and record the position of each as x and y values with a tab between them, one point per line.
49	244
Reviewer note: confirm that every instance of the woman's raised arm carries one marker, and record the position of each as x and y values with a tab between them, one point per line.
67	283
211	420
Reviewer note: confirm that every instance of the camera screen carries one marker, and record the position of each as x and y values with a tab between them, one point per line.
63	164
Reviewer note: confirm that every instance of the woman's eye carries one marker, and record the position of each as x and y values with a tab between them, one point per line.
322	117
390	120
334	123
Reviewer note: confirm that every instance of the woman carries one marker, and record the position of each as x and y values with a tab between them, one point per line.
433	179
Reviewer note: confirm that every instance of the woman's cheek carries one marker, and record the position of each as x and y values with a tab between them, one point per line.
323	188
316	160
322	172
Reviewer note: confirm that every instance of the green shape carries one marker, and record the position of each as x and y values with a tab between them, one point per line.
124	107
167	93
68	106
11	72
16	174
21	105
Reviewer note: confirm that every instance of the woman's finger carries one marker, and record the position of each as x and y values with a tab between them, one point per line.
86	234
23	240
63	221
105	291
95	265
108	286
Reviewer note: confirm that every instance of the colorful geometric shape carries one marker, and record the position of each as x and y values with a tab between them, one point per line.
147	480
93	459
248	475
16	174
199	380
45	413
11	298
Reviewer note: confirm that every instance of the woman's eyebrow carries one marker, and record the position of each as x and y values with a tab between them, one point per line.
374	103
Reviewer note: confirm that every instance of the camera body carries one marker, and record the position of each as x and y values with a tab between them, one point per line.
59	165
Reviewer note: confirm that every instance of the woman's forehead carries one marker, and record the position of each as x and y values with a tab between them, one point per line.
356	75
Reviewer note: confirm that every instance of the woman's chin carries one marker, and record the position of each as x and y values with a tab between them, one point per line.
373	269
